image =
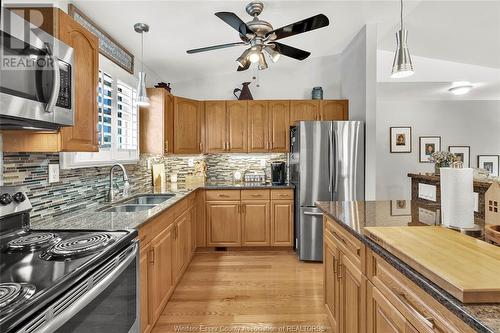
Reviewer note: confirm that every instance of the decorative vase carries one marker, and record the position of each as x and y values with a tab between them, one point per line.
317	93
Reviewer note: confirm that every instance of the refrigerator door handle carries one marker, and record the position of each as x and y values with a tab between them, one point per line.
330	153
336	162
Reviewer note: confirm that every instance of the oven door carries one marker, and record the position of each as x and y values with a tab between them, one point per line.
36	85
106	301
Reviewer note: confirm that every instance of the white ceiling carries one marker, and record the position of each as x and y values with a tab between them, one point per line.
180	25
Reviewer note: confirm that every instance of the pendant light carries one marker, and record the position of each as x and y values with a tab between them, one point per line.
402	65
142	97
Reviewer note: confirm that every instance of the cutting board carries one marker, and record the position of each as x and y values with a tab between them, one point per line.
158	174
467	268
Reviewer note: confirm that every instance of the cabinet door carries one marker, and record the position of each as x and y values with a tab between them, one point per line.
279	126
382	316
181	243
83	135
258	126
303	110
192	221
215	126
223	223
168	122
282	223
161	271
187	126
255	223
333	109
146	323
331	284
237	126
353	297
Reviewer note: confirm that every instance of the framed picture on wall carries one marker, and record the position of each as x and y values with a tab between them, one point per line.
428	145
462	153
490	163
400	139
400	207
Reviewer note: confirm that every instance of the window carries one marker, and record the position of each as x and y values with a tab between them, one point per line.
117	126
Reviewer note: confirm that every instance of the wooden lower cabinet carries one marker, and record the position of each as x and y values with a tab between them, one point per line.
182	244
282	223
352	297
223	223
382	316
255	223
146	316
331	284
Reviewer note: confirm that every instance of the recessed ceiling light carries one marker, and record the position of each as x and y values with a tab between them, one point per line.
460	88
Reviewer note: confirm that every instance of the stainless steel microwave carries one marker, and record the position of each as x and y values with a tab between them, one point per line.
36	77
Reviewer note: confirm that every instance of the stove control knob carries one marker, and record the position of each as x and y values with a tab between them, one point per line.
19	197
5	199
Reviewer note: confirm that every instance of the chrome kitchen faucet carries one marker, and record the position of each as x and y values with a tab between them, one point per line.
126	186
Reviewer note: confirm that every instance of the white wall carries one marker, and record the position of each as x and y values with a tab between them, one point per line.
470	123
358	66
287	79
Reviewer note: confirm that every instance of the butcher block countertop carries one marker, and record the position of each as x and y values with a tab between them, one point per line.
453	268
467	268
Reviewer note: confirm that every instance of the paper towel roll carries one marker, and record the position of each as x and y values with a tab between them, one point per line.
457	197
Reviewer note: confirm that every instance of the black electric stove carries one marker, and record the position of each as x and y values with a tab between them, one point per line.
39	269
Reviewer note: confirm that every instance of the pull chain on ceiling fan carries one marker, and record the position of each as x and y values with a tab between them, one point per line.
261	38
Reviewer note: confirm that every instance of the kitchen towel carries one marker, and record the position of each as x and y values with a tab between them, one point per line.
457	197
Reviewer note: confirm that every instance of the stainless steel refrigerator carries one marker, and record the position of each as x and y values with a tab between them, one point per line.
326	164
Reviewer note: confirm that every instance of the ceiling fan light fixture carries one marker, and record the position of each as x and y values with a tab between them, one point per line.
274	55
254	55
262	62
242	60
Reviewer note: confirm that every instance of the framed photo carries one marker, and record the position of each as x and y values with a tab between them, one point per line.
108	46
400	208
462	153
400	139
490	163
428	146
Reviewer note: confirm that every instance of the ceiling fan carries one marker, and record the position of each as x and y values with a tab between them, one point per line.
261	38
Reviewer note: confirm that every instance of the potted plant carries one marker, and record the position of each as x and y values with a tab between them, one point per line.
442	159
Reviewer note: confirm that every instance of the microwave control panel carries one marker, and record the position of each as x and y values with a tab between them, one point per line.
64	99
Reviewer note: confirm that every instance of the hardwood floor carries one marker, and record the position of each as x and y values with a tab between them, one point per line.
248	291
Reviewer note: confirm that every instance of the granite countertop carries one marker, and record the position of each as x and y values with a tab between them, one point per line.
354	216
93	219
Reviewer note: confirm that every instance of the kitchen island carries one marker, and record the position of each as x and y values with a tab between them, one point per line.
360	268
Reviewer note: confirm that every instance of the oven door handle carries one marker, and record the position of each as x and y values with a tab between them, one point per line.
56	81
60	319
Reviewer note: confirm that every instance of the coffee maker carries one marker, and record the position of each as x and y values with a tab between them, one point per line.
278	173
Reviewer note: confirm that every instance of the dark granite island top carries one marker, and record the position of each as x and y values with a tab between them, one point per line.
354	216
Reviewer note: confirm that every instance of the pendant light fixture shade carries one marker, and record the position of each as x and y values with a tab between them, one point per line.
142	96
402	65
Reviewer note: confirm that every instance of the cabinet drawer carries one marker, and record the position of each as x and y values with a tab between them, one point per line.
180	207
162	222
217	195
350	245
422	311
282	194
255	194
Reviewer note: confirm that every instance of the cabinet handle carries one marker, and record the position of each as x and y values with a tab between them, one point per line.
223	196
229	146
152	256
239	209
256	195
166	146
340	238
244	209
267	145
335	267
339	269
429	321
201	146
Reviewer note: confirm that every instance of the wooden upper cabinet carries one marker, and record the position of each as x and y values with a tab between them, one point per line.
188	115
258	126
83	135
279	126
156	123
237	126
303	110
215	126
334	110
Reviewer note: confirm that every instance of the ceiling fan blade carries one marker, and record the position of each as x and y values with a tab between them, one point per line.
291	51
215	47
244	68
234	21
312	23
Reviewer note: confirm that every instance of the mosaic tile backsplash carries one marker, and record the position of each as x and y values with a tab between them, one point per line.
85	187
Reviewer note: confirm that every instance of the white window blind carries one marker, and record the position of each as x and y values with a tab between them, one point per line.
126	117
105	104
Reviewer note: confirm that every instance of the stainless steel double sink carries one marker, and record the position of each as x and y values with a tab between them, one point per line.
137	203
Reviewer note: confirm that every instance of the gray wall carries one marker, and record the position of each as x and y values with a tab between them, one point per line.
470	123
358	85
